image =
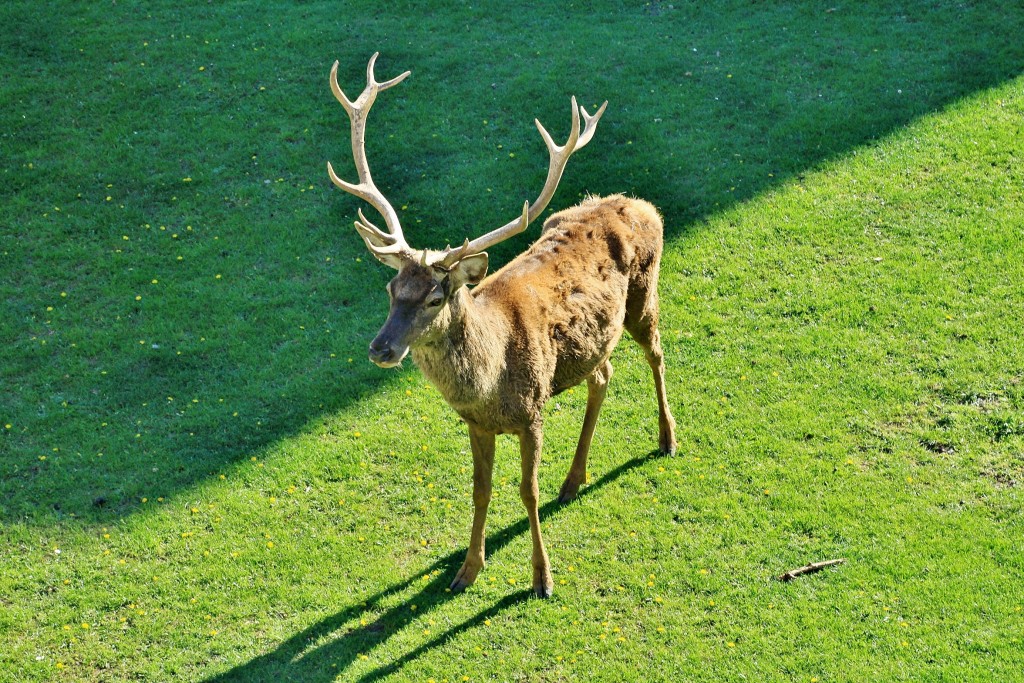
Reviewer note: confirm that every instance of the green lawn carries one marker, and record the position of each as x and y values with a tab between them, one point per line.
202	478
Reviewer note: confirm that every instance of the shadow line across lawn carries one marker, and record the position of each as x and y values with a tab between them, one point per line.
298	658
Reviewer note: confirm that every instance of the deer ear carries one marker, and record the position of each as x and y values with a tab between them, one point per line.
469	271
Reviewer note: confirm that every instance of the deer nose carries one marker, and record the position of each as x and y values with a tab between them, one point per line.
381	352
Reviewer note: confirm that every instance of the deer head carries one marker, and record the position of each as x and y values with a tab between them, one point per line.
427	280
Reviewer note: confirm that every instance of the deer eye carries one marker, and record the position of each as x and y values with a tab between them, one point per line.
435	302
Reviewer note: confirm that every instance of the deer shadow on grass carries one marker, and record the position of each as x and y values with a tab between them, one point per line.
303	657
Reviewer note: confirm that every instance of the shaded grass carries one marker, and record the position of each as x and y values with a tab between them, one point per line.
841	297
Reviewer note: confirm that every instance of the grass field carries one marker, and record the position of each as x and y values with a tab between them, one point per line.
202	478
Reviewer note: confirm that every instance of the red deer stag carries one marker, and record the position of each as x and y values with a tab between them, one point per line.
545	322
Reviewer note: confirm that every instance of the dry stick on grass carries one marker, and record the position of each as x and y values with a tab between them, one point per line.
809	569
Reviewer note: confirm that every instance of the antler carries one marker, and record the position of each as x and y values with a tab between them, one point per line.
380	243
559	156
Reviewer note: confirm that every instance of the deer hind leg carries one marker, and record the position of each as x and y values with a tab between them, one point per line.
642	325
597	387
482	444
529	448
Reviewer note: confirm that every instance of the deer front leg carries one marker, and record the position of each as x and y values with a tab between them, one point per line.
529	449
482	444
597	387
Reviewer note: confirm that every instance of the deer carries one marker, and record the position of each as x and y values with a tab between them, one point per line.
545	322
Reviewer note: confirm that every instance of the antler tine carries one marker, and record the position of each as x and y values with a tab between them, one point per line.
558	157
336	89
588	129
378	235
386	84
380	242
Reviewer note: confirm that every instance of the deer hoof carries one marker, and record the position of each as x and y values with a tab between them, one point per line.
568	491
465	578
543	585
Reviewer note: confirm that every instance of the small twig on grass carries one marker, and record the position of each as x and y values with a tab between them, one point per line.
809	569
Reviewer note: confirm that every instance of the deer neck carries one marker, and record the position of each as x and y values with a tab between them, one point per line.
462	356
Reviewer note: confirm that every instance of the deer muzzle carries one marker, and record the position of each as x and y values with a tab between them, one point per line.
385	353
